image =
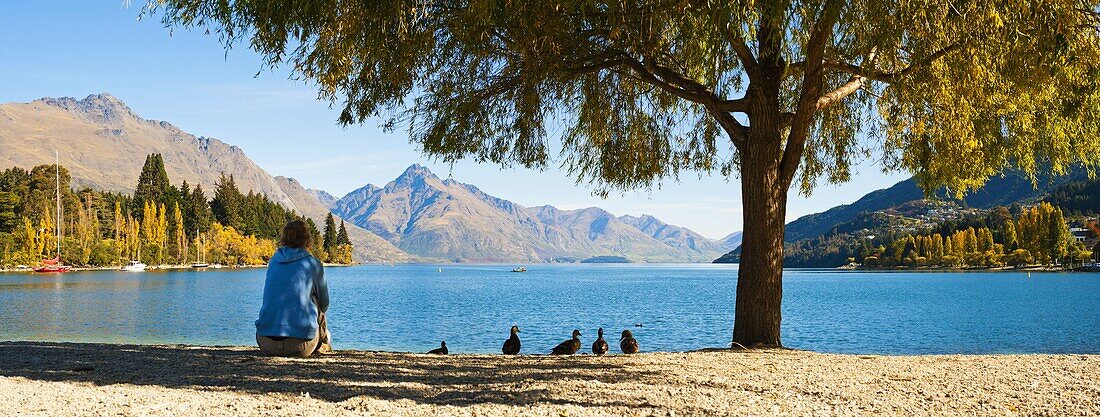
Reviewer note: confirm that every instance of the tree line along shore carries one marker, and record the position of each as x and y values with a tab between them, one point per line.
1036	237
159	224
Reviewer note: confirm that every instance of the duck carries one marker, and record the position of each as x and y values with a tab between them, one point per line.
599	347
570	346
442	350
627	343
511	346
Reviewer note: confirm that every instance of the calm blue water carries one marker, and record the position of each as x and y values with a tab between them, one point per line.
681	307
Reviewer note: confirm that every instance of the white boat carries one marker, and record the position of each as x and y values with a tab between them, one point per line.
134	266
520	269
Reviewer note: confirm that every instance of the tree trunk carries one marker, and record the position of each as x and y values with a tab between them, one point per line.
760	275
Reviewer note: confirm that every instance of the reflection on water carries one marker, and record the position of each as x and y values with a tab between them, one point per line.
668	307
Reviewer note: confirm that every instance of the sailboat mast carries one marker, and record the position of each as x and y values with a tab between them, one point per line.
57	178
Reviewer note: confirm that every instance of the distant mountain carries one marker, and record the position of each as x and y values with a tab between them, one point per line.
1077	198
326	199
731	241
444	219
1013	187
368	247
675	236
103	143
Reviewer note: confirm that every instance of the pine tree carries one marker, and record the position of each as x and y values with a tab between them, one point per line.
330	233
343	239
228	203
9	218
153	184
197	215
317	248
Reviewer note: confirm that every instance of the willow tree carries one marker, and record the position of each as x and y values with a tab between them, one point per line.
630	93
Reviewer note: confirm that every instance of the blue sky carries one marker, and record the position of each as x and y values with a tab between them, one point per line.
51	48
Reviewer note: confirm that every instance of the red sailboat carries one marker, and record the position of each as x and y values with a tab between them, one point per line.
54	265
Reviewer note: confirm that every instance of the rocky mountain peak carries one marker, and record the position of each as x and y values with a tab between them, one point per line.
414	174
102	108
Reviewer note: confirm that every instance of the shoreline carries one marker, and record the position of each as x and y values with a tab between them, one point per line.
1085	269
38	378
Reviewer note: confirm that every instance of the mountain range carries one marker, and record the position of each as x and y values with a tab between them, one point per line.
1012	187
444	219
416	217
103	144
1004	190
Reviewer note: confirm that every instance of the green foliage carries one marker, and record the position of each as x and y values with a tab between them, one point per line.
653	84
9	217
342	237
197	214
1047	241
1077	198
227	203
330	233
153	185
317	244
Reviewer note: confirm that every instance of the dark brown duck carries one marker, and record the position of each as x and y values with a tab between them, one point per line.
570	346
627	343
512	345
442	350
599	347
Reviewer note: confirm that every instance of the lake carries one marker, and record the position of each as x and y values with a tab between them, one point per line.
679	307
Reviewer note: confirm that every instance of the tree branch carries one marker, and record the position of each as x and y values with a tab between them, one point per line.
853	85
888	77
812	78
675	83
748	61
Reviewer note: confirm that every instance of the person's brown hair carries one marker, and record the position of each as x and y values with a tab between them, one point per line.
295	235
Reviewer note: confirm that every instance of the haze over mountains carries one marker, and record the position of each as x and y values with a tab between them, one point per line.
417	217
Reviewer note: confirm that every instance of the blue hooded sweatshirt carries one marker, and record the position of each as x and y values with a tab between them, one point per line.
293	278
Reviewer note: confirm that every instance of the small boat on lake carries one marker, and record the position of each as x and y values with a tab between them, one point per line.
54	266
134	266
520	269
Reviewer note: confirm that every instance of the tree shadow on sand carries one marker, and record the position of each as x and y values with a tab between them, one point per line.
451	380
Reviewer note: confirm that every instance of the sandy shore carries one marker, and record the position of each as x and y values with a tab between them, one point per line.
95	379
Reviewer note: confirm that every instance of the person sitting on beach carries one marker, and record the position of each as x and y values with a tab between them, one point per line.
292	318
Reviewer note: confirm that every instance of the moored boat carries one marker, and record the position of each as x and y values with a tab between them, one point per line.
134	266
54	266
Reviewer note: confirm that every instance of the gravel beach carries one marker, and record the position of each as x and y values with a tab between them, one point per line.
97	379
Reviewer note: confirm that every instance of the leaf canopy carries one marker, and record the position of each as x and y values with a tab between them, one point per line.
634	92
